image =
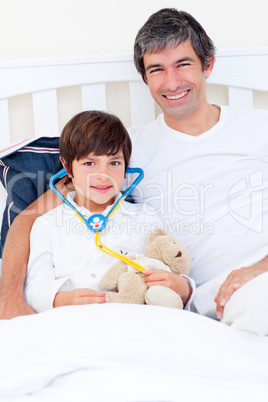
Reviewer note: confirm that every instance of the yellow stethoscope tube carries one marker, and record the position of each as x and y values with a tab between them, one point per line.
121	257
106	250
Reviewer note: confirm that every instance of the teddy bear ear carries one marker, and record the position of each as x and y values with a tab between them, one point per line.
155	233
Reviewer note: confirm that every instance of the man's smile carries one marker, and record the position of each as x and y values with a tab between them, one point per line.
178	96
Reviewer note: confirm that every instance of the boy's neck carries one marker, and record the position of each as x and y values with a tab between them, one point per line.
92	206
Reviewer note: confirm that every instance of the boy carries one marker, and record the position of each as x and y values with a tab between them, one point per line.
65	266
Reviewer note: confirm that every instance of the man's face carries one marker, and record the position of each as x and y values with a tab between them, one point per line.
176	81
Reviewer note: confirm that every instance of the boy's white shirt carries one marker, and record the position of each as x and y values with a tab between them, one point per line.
63	253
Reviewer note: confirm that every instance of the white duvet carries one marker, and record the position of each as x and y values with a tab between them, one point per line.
119	352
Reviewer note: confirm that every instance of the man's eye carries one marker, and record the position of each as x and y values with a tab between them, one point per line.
155	70
184	65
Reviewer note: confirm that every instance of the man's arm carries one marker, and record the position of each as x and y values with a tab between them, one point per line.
235	280
16	254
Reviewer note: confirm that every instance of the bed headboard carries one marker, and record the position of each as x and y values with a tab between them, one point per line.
241	70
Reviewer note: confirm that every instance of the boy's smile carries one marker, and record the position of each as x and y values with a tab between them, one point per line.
101	189
97	180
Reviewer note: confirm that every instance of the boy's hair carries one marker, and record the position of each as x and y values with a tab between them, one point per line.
169	28
94	131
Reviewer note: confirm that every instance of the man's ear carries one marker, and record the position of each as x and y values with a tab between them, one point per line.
145	79
209	68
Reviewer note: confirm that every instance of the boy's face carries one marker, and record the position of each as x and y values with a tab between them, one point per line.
97	180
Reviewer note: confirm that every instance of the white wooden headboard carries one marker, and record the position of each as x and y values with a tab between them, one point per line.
241	70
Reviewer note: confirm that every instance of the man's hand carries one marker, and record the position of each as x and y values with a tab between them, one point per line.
11	308
164	278
235	280
80	296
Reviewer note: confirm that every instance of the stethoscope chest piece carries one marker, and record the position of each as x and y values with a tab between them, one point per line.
97	223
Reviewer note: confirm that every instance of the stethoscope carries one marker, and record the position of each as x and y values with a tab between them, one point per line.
97	222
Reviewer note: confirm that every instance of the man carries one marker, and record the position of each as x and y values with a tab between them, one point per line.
205	171
196	158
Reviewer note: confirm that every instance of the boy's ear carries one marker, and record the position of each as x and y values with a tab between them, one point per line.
64	165
62	161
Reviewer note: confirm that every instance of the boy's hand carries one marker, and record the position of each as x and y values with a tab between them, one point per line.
164	278
80	296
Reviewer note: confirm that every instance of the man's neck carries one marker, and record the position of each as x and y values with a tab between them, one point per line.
196	123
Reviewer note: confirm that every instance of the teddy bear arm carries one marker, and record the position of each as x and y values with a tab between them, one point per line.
131	289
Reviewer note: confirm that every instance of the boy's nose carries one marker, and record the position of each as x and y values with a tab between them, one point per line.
102	174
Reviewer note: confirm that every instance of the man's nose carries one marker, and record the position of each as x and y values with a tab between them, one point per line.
172	80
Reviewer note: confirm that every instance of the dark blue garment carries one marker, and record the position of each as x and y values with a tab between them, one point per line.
25	174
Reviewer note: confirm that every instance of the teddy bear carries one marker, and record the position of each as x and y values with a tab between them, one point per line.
125	284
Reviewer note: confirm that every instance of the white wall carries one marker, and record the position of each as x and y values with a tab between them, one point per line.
48	28
40	28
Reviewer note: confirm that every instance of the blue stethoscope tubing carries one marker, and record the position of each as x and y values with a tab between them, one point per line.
99	217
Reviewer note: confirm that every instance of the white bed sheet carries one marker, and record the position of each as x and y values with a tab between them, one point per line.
118	352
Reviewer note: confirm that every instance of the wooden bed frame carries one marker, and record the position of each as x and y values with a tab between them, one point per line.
243	71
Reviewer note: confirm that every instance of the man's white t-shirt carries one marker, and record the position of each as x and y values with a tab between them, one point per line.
210	190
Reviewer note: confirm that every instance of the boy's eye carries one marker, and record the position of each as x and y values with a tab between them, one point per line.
89	163
115	163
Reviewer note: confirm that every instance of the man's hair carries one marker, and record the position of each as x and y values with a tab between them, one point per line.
169	28
94	131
